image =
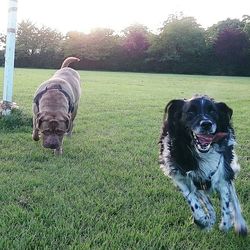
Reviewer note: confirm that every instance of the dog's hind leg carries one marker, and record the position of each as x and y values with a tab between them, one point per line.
239	222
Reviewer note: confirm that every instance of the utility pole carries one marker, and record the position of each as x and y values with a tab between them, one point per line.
7	103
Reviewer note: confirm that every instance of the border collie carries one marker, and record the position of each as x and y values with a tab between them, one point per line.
197	153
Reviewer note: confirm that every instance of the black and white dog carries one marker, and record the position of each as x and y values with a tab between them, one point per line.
197	152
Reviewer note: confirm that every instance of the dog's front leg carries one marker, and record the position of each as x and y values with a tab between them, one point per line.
239	222
58	151
201	218
35	134
226	206
69	133
207	205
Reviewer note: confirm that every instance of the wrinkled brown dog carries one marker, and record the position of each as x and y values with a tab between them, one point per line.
55	106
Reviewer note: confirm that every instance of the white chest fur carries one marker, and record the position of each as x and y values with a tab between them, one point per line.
211	168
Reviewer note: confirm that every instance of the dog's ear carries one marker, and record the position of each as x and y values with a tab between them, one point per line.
225	115
172	115
68	122
224	110
173	110
39	118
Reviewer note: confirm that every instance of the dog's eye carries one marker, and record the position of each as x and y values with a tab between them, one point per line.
45	132
211	111
191	112
60	132
190	115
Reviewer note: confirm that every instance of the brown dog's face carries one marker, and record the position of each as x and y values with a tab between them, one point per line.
52	127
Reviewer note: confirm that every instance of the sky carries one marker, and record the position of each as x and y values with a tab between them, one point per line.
83	16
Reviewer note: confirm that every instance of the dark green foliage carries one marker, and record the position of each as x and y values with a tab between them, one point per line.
37	47
181	46
16	121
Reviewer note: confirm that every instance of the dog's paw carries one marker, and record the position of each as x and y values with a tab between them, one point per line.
58	151
204	222
212	218
225	226
69	134
241	229
35	135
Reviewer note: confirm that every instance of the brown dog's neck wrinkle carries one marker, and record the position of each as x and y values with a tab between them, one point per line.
54	100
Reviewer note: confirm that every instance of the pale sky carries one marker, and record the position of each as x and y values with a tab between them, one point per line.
81	15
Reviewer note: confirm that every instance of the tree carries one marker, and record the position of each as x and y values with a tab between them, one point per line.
100	44
228	24
2	47
229	45
26	42
73	44
49	49
2	41
180	46
135	43
37	47
97	49
246	23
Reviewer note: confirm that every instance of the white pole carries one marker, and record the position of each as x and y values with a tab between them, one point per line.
9	56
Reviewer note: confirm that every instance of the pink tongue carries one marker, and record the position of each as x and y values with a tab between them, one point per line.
219	136
205	139
208	139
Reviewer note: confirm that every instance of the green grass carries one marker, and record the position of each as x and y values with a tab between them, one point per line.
107	191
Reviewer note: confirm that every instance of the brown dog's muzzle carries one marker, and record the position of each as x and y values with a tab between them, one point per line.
51	141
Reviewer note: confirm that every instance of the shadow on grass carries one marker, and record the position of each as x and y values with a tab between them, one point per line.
17	121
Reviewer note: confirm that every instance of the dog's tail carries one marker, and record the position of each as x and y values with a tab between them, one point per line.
68	61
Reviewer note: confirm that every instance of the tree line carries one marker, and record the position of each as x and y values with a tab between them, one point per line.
180	46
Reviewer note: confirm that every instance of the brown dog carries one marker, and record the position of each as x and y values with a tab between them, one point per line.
55	106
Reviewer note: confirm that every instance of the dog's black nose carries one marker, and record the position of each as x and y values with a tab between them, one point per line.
206	124
51	145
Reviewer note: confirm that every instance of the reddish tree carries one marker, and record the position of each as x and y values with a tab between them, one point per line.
231	45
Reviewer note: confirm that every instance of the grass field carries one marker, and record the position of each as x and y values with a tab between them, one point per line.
106	191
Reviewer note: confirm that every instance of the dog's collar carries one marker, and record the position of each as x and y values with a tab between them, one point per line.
57	87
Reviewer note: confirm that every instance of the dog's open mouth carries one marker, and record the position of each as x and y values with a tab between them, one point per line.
203	141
